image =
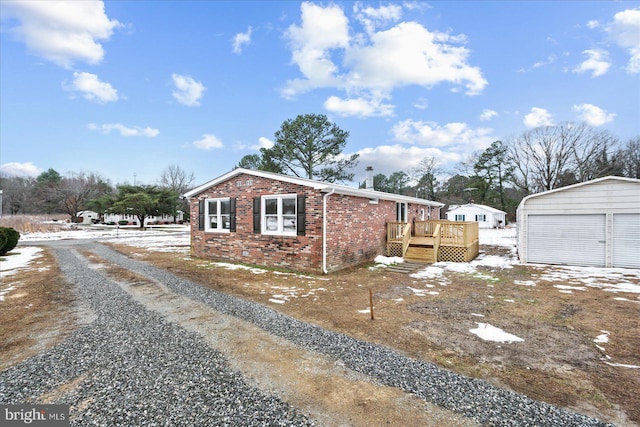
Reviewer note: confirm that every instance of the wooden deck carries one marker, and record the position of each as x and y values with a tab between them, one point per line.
432	241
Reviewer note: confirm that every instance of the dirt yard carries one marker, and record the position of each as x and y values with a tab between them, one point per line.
428	318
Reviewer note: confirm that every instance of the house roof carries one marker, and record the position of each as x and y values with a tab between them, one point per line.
580	184
480	207
325	187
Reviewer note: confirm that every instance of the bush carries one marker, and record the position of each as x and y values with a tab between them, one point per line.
9	239
123	222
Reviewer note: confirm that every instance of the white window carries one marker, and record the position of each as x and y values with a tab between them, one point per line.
481	218
459	217
280	215
218	215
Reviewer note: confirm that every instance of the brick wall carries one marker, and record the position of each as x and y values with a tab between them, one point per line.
302	253
356	229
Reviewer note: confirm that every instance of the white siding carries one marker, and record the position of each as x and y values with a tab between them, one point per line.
471	211
626	240
554	239
617	200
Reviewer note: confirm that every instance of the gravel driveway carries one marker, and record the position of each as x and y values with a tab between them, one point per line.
129	365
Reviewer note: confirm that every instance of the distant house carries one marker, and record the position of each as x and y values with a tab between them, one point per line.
149	220
594	223
485	216
283	221
87	217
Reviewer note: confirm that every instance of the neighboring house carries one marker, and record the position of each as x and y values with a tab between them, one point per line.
149	220
485	216
283	221
594	223
87	217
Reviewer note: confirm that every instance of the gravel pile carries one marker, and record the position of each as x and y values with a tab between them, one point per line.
141	370
130	367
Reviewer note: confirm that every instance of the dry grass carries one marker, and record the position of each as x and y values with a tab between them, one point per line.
37	314
558	363
35	223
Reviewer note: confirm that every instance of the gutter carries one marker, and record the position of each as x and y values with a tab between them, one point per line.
324	230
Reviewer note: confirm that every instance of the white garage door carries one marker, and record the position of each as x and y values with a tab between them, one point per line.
626	240
566	240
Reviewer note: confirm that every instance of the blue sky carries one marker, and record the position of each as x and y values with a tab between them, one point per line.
127	88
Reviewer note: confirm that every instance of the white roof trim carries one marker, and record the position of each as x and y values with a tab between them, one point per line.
475	205
580	184
324	187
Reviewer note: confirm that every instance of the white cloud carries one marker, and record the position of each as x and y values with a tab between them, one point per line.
262	143
387	159
488	115
240	40
359	107
92	88
593	115
538	117
372	18
451	136
597	62
376	62
107	128
63	32
593	24
207	142
27	170
625	32
188	91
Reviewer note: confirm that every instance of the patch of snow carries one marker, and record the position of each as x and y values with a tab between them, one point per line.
508	300
277	301
488	332
497	236
622	365
524	282
477	315
570	288
386	260
602	338
430	272
18	258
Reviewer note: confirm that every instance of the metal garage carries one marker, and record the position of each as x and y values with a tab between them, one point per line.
556	237
594	223
626	238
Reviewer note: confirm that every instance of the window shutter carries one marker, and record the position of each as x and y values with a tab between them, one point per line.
201	214
256	215
302	215
232	215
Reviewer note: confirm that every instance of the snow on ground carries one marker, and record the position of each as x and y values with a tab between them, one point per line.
488	332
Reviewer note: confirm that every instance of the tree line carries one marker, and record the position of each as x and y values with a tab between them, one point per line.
52	193
539	159
310	146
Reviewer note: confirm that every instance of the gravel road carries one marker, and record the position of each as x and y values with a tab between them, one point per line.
127	365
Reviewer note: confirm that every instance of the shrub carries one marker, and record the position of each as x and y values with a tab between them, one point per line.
10	239
123	222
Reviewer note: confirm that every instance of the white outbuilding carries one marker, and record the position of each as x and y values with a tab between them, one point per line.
594	224
486	216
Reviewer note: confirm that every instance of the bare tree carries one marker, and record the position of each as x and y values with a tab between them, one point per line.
548	157
630	158
426	176
176	179
77	189
18	194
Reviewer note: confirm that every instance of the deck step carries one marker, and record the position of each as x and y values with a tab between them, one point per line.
420	253
406	267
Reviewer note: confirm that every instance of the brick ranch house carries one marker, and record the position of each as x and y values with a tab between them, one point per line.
276	220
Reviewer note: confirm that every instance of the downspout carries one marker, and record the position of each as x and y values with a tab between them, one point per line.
324	230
